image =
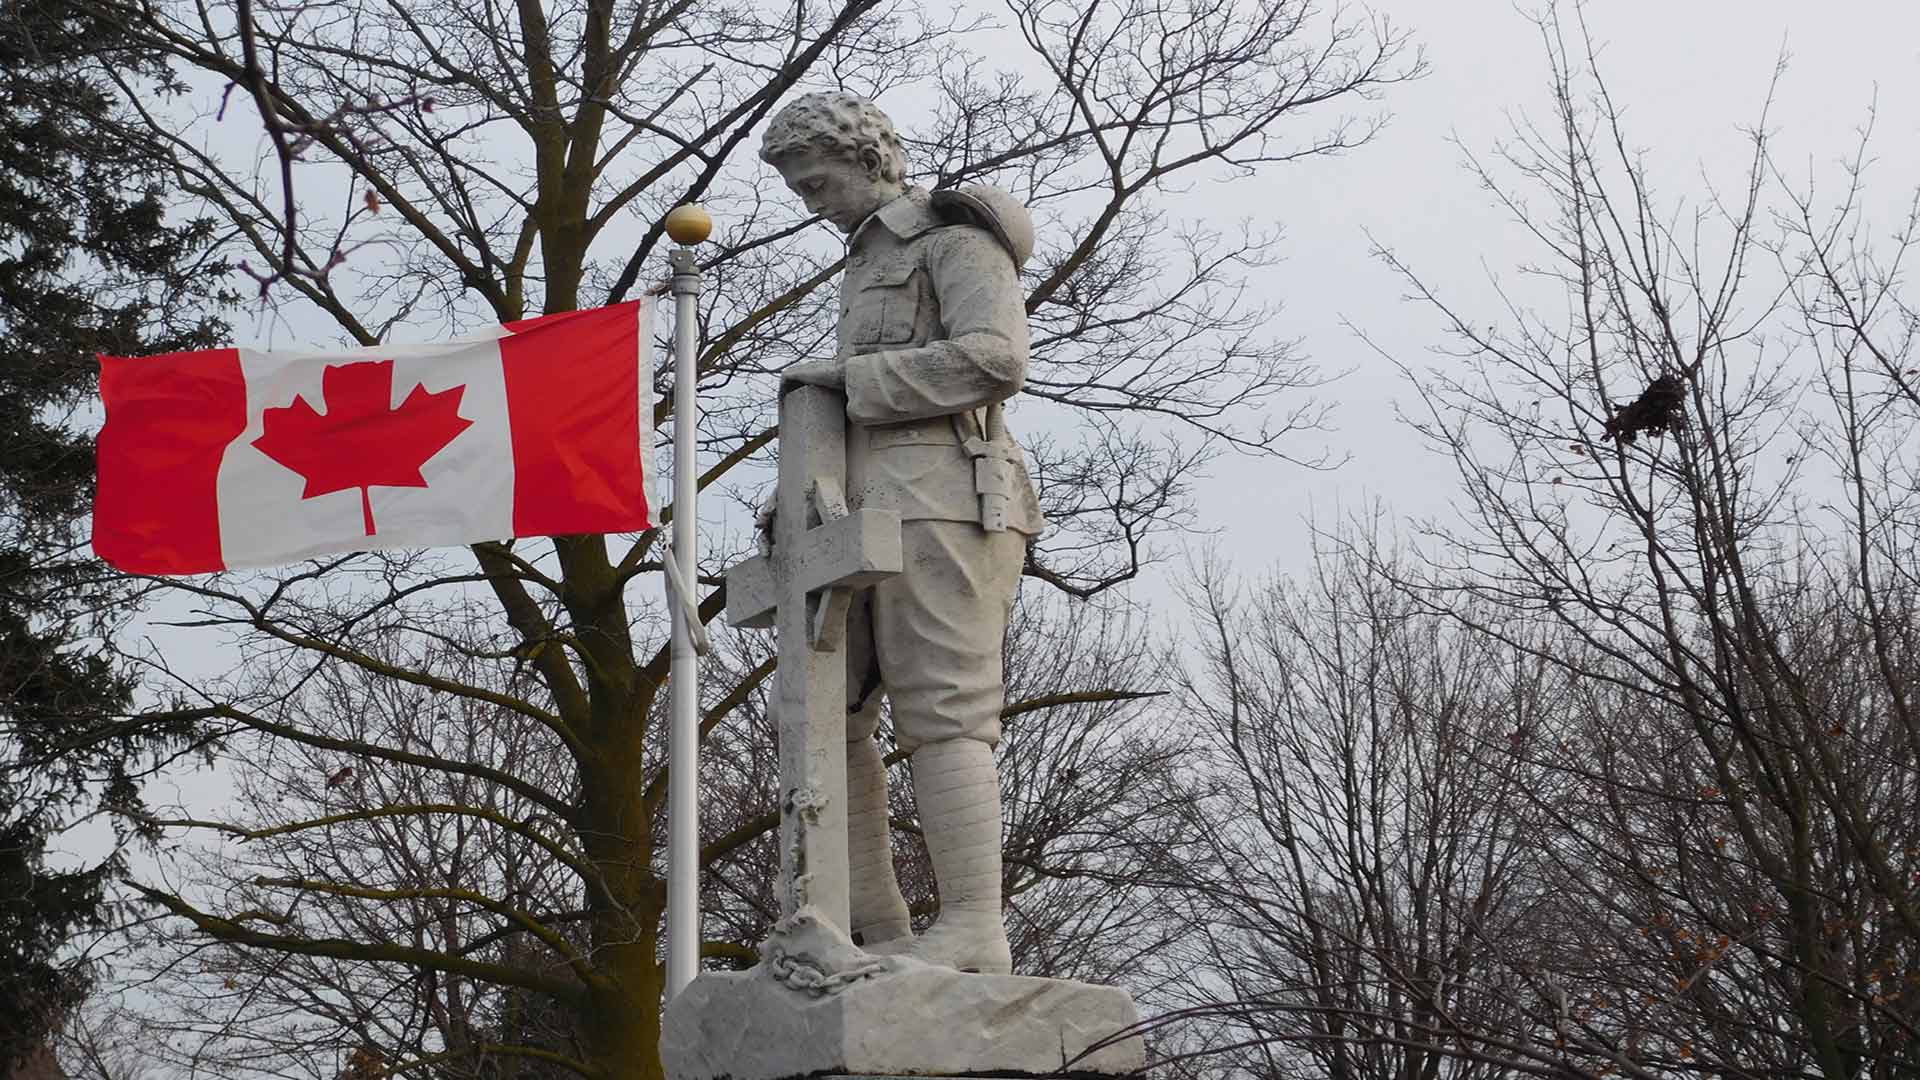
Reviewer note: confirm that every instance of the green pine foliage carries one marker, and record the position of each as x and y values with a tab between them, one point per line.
90	262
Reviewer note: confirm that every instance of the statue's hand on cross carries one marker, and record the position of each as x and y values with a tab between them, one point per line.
828	374
831	374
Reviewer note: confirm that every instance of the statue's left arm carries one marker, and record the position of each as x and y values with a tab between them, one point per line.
983	358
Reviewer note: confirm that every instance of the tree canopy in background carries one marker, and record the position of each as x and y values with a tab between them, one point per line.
1614	771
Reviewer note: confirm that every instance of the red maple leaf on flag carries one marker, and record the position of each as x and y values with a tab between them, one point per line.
362	441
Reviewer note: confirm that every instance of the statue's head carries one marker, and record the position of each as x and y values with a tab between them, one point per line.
839	153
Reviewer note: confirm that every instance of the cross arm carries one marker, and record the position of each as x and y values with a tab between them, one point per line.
752	595
849	552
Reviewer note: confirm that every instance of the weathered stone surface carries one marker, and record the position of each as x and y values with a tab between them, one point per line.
915	1020
897	479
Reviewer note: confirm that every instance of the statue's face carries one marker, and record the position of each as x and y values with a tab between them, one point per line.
841	189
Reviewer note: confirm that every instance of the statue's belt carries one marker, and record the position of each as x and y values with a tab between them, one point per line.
933	431
981	437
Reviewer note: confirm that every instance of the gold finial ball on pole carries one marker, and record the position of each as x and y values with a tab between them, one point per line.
689	224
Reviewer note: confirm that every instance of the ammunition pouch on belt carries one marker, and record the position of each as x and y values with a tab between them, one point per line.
992	466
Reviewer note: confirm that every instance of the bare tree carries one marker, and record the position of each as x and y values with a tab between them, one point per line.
1717	915
1096	794
102	1041
1688	481
1373	876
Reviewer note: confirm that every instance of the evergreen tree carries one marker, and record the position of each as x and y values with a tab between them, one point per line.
89	263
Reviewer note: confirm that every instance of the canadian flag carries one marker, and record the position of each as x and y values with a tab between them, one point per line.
231	458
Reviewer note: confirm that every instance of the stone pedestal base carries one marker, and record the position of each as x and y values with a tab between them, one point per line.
908	1020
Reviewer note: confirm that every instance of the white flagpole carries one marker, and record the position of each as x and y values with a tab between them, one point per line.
687	225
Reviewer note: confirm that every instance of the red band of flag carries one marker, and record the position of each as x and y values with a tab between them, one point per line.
170	419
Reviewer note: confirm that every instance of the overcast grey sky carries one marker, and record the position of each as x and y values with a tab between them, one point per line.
1690	73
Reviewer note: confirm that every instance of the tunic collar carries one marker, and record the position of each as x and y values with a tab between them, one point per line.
906	216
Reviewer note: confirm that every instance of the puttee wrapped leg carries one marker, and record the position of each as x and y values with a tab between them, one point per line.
878	913
958	789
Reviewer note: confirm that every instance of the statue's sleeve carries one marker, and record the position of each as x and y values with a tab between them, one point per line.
984	356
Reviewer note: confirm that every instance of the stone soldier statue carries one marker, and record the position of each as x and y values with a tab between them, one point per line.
933	337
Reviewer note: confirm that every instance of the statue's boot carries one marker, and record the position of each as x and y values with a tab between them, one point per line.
877	912
958	789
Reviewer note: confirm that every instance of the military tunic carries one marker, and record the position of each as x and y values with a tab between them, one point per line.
933	325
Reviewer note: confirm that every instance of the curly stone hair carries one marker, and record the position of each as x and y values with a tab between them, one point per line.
835	122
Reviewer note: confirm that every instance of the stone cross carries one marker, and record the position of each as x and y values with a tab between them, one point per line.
821	553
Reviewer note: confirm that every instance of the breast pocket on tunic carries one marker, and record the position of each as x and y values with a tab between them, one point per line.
889	307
